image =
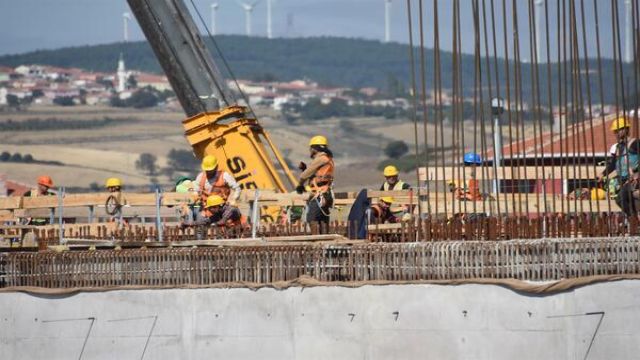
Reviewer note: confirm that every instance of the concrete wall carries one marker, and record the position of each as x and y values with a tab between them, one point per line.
371	322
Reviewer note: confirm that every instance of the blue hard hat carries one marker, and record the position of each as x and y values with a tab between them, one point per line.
472	158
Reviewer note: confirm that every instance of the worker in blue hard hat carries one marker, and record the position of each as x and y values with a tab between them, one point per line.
470	190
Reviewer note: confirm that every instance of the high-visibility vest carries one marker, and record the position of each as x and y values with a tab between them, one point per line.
387	187
323	178
219	187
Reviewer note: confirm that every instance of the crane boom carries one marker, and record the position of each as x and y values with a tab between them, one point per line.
177	44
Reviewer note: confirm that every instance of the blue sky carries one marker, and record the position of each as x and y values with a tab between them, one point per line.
27	25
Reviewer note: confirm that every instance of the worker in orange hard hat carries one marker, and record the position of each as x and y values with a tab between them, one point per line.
319	174
392	181
45	183
214	181
624	160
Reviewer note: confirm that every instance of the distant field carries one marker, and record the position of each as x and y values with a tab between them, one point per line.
92	155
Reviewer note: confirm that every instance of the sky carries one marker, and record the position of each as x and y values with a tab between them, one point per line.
28	25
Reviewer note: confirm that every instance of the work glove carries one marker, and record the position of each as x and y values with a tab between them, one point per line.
406	218
302	166
300	189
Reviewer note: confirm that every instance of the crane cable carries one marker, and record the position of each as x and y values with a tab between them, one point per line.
224	61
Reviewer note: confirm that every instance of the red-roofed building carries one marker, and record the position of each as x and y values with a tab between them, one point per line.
12	188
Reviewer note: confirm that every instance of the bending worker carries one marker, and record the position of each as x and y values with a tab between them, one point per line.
380	213
392	182
213	181
219	213
624	157
45	183
319	174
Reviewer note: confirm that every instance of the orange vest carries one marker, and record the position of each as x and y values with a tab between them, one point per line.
219	187
323	178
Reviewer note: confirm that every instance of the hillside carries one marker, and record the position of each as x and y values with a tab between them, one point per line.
347	62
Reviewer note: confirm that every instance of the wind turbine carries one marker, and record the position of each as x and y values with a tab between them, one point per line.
269	24
387	21
126	18
214	9
248	9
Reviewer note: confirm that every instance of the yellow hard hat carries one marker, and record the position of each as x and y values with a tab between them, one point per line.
209	163
598	194
113	182
619	123
214	200
318	140
390	171
453	182
387	199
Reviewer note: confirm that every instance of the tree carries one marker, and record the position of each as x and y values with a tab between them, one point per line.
142	99
396	149
132	83
182	160
17	157
147	163
13	101
115	101
63	101
94	186
36	93
5	156
27	158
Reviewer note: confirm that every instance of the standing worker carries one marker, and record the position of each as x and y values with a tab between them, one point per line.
45	183
213	181
392	182
624	158
319	174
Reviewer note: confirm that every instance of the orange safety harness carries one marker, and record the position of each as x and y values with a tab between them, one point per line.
323	178
219	187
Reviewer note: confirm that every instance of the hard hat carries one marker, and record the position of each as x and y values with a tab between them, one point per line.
387	199
452	182
113	182
45	180
318	140
619	123
209	163
214	200
598	194
472	158
390	171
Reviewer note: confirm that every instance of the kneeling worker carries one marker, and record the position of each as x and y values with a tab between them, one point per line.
380	213
217	213
319	174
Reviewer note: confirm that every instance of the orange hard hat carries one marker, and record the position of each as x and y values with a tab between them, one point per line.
45	180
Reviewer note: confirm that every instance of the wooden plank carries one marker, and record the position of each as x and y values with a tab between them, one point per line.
11	202
519	172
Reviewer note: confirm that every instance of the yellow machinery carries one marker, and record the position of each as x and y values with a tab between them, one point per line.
243	149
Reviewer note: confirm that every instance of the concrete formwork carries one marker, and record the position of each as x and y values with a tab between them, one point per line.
598	321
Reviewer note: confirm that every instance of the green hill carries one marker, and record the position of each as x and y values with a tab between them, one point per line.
330	61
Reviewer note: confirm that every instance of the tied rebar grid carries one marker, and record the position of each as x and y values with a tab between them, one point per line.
464	227
535	260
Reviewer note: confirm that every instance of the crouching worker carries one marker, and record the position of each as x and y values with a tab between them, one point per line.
217	213
380	213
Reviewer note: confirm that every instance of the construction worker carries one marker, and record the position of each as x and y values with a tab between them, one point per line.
212	181
381	212
470	190
45	183
113	185
392	181
624	160
188	210
219	213
319	174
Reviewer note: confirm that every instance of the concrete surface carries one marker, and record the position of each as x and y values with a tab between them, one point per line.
599	321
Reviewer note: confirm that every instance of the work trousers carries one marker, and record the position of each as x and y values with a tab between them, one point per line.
625	200
318	209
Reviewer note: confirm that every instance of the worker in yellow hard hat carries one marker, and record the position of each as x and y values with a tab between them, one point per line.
624	159
319	174
380	212
217	212
214	181
392	181
113	185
